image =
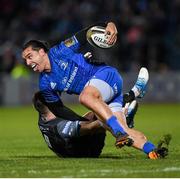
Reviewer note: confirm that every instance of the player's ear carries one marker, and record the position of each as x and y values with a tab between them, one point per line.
42	52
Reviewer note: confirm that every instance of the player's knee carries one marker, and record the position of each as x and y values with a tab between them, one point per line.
88	95
83	98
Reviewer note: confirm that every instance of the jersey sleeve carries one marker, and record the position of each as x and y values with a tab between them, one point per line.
49	91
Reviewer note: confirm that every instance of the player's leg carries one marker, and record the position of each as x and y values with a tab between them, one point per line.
130	110
100	108
139	89
91	97
100	89
137	138
139	141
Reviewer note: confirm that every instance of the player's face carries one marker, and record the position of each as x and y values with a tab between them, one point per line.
34	59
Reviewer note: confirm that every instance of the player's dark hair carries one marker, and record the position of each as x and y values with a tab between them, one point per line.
38	102
37	45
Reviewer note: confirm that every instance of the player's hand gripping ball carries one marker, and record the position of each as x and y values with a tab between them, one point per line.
97	38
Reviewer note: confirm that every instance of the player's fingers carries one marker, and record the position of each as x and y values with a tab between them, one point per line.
112	39
107	32
109	35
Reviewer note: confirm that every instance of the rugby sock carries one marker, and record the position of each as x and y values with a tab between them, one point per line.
115	126
128	97
136	91
148	147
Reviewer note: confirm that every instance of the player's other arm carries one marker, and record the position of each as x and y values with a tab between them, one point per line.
59	110
56	106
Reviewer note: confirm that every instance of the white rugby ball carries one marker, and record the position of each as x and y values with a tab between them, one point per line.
96	37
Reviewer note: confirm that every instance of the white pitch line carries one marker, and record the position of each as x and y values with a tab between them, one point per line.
103	172
123	171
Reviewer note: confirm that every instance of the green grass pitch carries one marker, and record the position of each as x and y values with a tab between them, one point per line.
23	152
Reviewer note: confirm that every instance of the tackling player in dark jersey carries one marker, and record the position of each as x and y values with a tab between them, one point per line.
72	135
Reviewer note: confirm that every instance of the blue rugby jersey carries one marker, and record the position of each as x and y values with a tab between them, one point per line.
70	71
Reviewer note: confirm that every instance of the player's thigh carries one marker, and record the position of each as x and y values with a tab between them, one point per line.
108	82
100	89
90	90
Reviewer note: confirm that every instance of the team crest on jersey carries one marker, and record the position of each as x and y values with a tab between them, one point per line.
63	64
69	42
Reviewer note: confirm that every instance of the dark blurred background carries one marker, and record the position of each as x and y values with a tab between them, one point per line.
149	35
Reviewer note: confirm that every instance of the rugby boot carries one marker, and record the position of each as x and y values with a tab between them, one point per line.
141	83
162	149
132	109
123	140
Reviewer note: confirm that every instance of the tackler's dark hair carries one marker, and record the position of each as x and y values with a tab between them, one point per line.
37	45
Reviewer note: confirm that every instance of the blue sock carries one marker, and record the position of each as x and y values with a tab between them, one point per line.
148	147
113	123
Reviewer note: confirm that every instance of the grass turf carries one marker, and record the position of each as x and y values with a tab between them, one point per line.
23	152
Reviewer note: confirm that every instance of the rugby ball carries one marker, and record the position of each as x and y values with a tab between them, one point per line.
97	38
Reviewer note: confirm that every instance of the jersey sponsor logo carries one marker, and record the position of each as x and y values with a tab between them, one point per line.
71	132
53	85
115	88
64	81
66	127
73	74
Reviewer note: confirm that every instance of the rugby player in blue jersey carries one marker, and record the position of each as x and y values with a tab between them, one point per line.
63	68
